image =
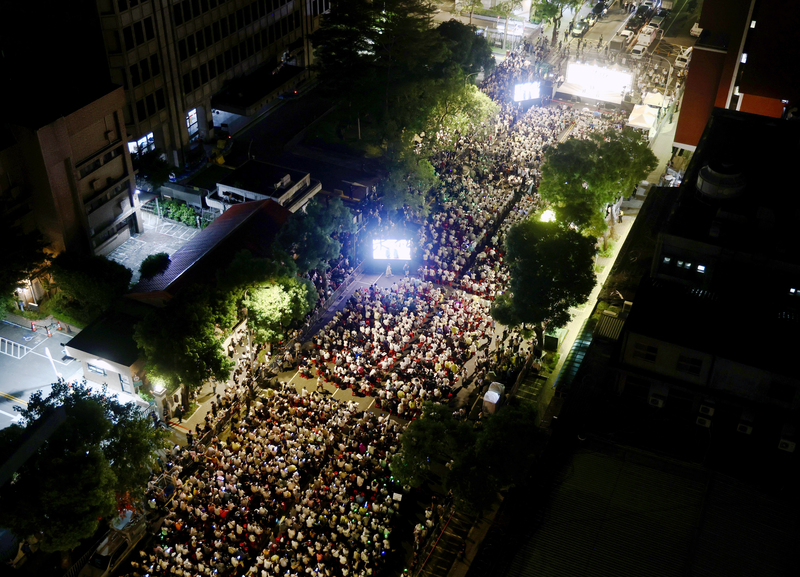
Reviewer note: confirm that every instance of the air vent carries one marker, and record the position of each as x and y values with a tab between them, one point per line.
703	422
745	429
706	410
723	181
787	445
656	402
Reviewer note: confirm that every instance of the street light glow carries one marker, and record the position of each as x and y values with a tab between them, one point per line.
548	216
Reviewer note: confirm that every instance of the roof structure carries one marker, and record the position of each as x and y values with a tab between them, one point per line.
110	337
250	225
261	177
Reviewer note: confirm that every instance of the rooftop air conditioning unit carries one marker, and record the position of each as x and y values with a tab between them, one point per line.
656	401
707	410
703	422
787	445
744	428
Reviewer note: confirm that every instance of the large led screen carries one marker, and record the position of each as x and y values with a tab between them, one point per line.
391	249
527	91
597	81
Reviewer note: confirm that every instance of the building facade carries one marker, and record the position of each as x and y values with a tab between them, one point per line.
77	175
173	56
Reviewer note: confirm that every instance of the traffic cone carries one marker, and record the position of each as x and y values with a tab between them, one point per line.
47	328
33	327
59	327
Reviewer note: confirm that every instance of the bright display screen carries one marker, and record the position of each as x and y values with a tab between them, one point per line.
596	81
527	91
391	249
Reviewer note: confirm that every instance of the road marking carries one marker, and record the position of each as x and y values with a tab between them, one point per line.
13	417
13	398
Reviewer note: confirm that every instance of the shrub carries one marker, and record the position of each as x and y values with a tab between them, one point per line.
154	264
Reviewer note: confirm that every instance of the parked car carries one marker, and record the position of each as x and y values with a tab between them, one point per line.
580	28
125	534
639	51
635	24
590	19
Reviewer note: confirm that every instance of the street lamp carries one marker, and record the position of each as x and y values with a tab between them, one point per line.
669	77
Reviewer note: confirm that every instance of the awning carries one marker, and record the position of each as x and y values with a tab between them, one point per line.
643	117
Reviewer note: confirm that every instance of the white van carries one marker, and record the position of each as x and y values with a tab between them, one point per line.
683	59
638	52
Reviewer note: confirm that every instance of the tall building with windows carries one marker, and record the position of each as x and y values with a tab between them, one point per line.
180	60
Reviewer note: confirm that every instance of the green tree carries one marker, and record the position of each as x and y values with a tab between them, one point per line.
507	9
247	270
551	271
154	264
181	342
310	236
553	10
468	5
99	457
469	51
153	167
88	285
24	255
580	177
274	308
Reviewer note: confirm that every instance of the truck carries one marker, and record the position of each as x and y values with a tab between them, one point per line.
696	31
682	60
621	41
667	4
647	35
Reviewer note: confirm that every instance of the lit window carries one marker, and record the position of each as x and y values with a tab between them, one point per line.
687	265
701	268
94	369
752	24
744	58
680	264
793	291
667	260
191	121
689	365
645	352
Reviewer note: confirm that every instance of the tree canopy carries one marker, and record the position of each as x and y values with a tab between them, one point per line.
551	267
154	264
98	459
310	236
469	51
273	308
580	177
181	342
88	284
24	255
475	463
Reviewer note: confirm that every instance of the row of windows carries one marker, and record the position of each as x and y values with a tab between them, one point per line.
684	264
150	104
685	364
222	28
138	32
188	9
230	58
125	4
146	68
320	6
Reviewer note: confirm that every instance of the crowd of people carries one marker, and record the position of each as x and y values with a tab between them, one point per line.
300	485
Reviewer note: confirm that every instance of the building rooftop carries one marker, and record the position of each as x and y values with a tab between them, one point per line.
246	91
746	166
757	333
250	225
208	178
110	337
260	177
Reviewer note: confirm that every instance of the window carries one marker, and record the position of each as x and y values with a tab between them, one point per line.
144	65
149	31
645	352
204	5
209	37
141	111
689	365
191	46
155	67
127	35
203	74
182	53
191	121
177	14
215	29
793	291
701	268
223	24
187	83
187	10
97	370
160	102
666	260
196	78
196	7
212	69
220	64
743	60
138	33
135	78
123	5
150	99
201	43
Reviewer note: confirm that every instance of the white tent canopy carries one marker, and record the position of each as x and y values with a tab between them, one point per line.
643	117
655	99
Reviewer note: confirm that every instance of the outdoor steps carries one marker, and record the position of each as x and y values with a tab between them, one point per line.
531	387
438	562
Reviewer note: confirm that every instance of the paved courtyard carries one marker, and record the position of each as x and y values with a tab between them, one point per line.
160	235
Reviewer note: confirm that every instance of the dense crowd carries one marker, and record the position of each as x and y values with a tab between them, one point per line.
301	485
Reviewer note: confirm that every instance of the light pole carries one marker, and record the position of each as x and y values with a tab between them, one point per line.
669	77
